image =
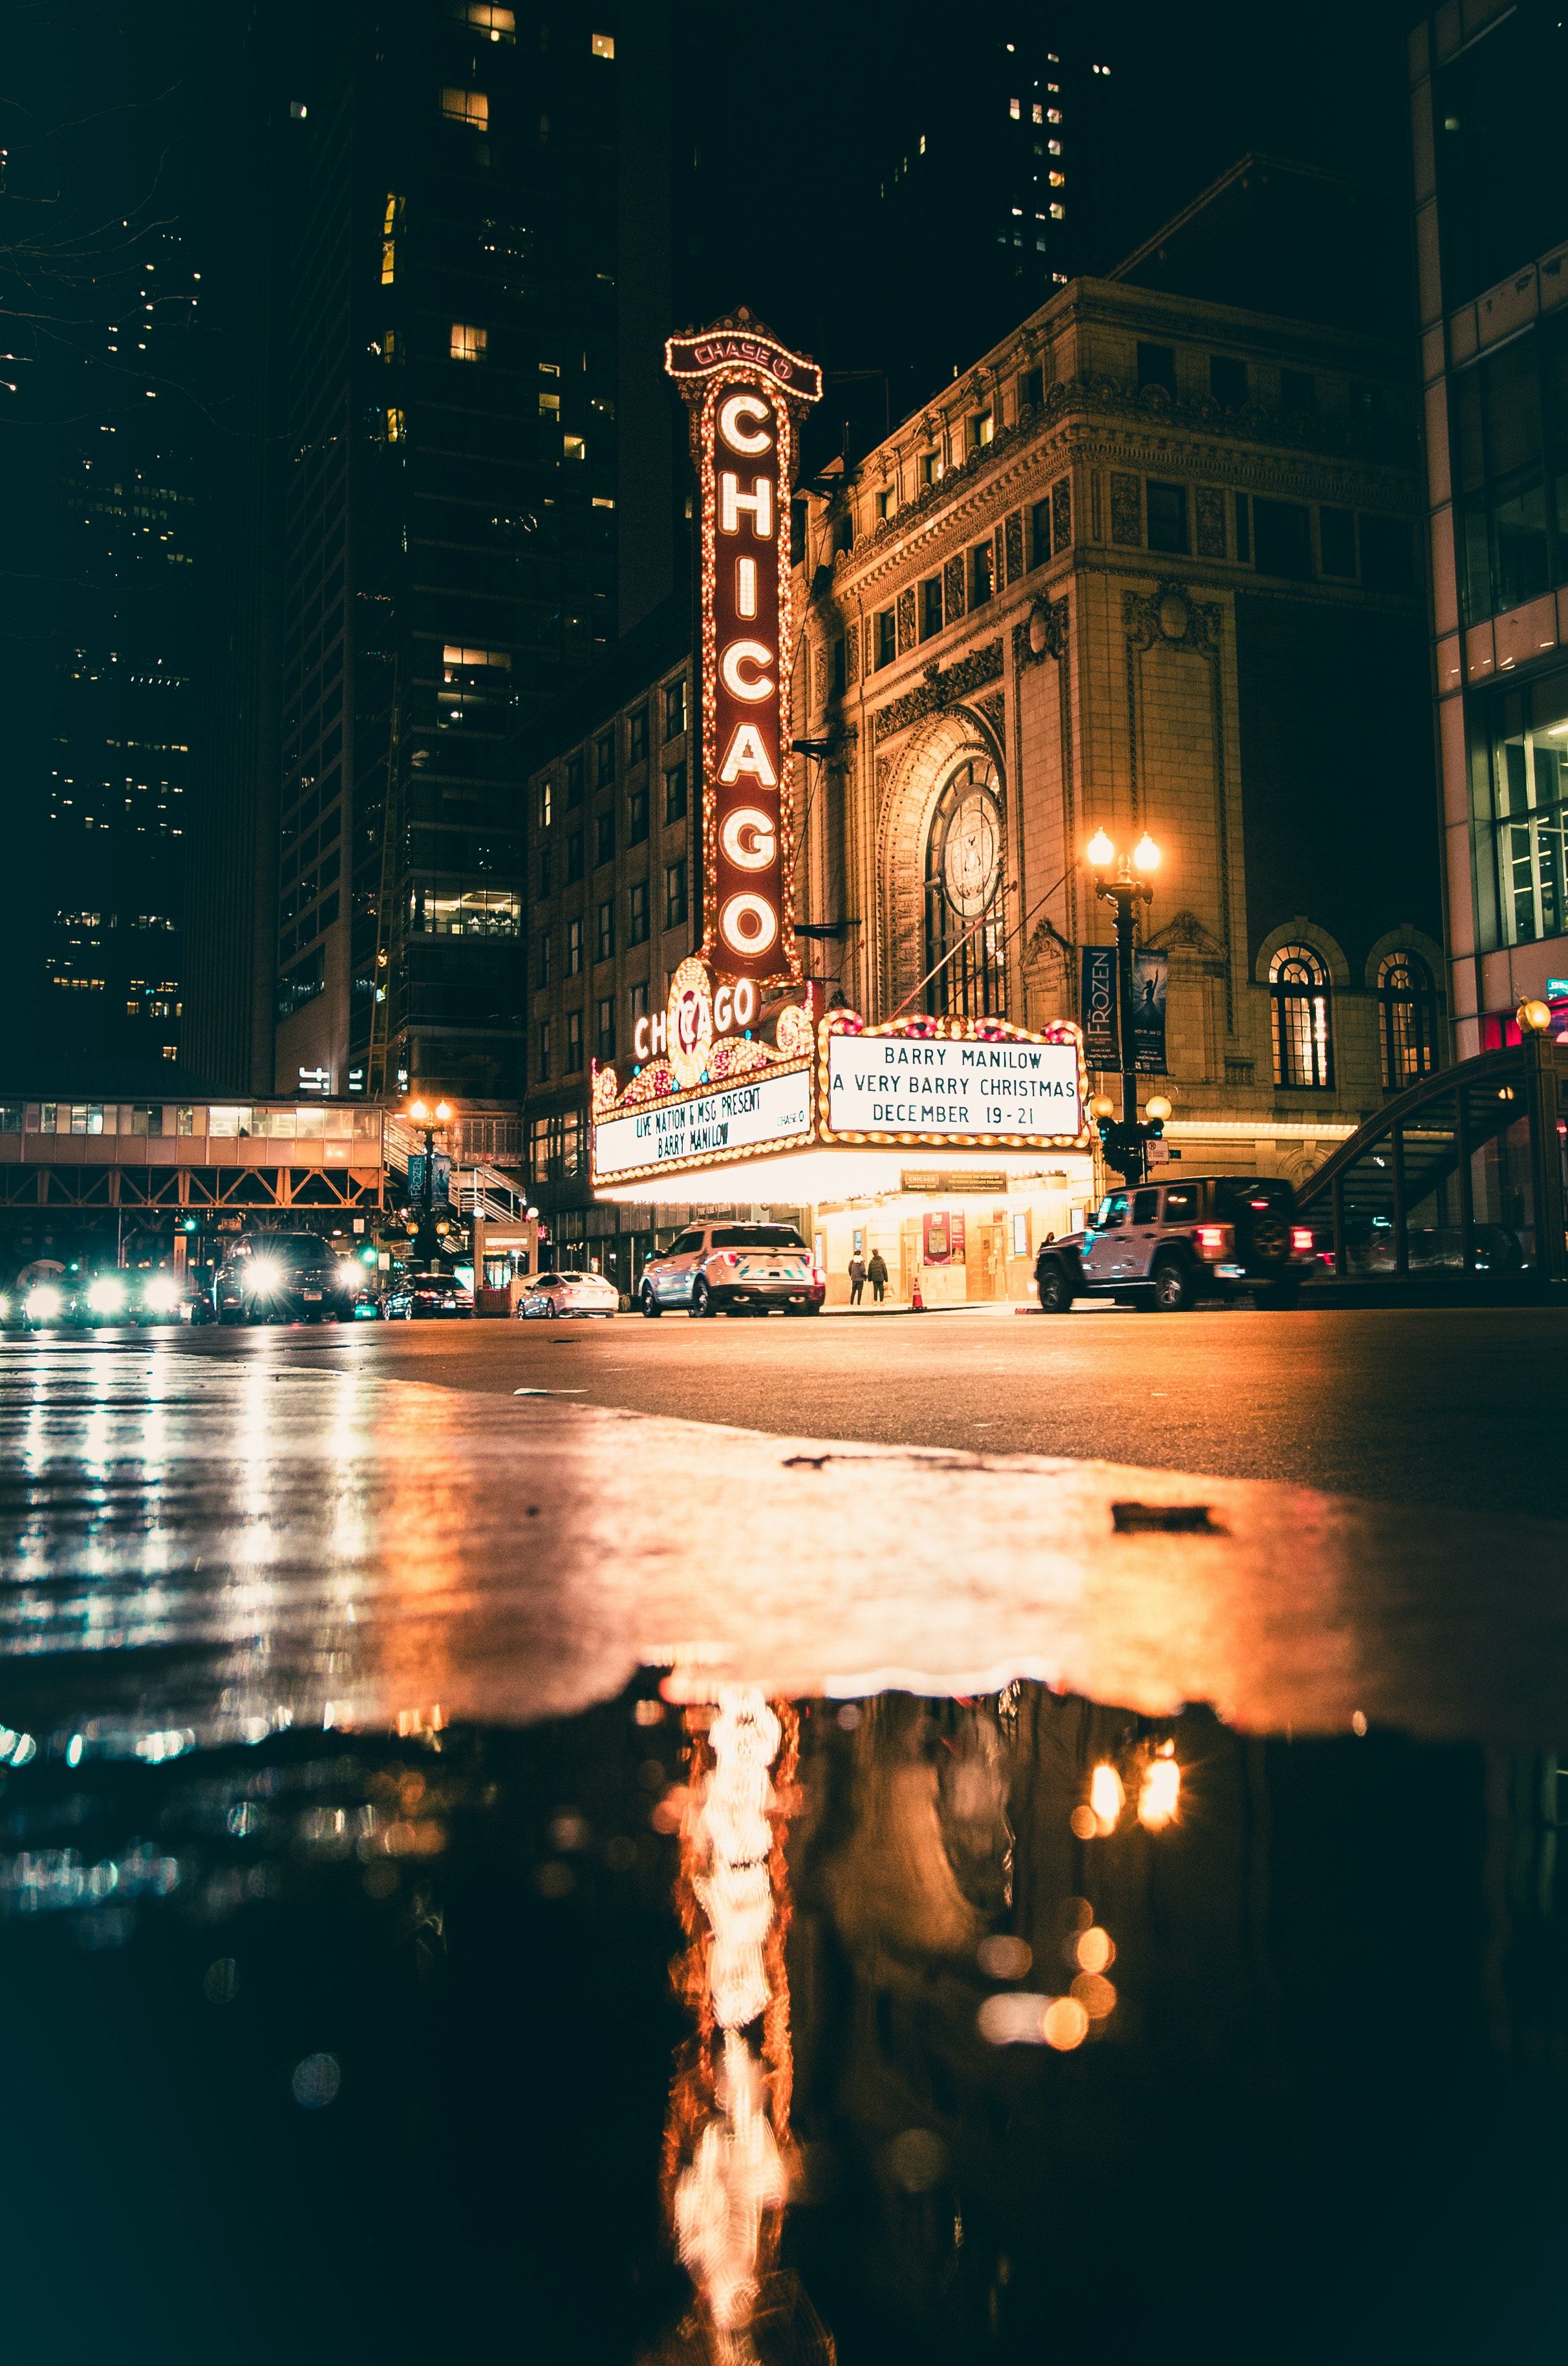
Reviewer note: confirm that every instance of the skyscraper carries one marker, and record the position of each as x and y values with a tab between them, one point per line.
444	433
101	581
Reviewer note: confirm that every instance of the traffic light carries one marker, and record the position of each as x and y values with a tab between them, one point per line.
190	1223
366	1252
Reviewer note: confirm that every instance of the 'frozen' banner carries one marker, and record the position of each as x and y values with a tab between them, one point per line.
1097	1006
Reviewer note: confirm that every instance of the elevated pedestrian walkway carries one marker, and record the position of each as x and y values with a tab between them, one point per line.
1455	1188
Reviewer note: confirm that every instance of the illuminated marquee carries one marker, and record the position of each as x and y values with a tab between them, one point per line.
952	1082
745	393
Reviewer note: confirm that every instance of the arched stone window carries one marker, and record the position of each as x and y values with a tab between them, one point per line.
1298	991
1408	1016
964	884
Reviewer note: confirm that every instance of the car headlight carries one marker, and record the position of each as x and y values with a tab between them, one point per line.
266	1273
162	1294
350	1273
44	1301
106	1295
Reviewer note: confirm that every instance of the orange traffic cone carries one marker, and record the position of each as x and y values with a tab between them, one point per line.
917	1304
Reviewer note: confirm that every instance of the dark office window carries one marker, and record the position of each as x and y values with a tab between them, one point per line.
637	926
675	793
1298	392
544	958
674	708
1502	193
1030	390
604	837
674	894
1167	518
574	856
1156	366
573	1041
1283	530
1243	528
605	1032
574	779
1040	534
542	1064
1227	381
1408	1009
982	573
1510	440
639	1001
604	946
603	758
543	876
637	735
637	816
1337	541
574	947
886	630
840	666
1388	554
930	606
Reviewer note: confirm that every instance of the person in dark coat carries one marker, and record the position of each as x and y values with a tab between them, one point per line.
857	1278
876	1274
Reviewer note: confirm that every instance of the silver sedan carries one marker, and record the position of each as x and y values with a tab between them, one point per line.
554	1294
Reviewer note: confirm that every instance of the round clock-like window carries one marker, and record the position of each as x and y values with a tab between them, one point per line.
972	855
963	894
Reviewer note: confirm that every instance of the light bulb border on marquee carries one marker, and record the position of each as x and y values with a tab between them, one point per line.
918	1030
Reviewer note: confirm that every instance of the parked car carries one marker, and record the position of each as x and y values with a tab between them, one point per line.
280	1278
734	1268
1167	1245
581	1294
426	1297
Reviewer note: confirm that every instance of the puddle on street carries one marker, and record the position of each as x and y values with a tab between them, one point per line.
885	2029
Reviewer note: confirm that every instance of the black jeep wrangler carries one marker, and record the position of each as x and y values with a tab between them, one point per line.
1169	1245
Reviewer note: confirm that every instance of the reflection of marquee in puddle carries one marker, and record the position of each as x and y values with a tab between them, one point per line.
726	2138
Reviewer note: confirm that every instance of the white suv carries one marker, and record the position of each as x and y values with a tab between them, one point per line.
734	1268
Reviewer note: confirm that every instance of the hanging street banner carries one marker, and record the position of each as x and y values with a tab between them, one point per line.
746	395
1098	1003
1151	972
1096	1007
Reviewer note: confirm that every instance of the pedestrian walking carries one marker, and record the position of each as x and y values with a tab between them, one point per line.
857	1278
876	1274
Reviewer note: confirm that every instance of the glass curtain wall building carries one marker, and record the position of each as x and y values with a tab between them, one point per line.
1491	220
445	433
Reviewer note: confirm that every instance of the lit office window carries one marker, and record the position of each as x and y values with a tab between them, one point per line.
496	24
470	106
468	343
603	45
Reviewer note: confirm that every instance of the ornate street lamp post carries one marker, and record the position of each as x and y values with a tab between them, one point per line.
427	1119
1125	881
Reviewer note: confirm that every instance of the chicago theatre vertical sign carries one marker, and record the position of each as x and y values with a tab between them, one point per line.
746	395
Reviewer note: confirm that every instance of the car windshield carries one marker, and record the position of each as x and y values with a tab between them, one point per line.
294	1248
1251	1195
757	1236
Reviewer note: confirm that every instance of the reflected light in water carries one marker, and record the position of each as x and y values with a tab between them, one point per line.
1161	1790
1106	1798
728	2119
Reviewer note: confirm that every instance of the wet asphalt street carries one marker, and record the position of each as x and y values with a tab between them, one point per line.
1426	1406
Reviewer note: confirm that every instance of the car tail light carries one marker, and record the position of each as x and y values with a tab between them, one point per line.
730	1260
1301	1239
820	1275
1213	1240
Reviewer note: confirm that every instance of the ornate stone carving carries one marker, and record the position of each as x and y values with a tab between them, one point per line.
1126	509
938	689
1211	505
1042	636
1170	613
1012	538
993	706
852	654
1062	515
953	589
906	619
